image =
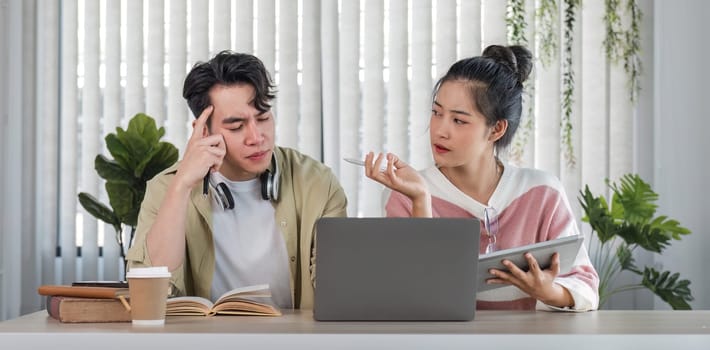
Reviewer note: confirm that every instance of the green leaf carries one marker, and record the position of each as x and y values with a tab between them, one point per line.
110	170
626	258
633	207
142	139
676	293
164	156
643	235
120	153
143	126
598	215
122	199
148	159
654	236
669	227
636	198
99	210
137	147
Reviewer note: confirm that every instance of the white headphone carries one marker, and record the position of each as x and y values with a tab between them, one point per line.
269	187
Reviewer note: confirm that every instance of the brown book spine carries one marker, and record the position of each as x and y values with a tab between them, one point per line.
53	306
84	310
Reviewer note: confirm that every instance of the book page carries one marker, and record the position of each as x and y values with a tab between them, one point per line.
190	305
259	290
247	306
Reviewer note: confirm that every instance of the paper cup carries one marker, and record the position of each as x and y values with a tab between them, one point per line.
148	289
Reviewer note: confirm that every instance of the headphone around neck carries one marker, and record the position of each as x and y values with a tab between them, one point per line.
269	187
270	181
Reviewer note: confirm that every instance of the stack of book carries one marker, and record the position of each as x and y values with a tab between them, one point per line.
101	302
82	304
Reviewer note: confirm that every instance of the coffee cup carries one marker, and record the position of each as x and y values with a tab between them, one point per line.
148	291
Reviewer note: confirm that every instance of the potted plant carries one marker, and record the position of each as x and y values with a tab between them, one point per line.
138	156
622	226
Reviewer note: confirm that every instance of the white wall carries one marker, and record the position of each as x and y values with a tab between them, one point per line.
4	29
682	123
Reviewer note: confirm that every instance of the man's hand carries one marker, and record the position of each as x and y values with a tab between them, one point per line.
204	152
165	240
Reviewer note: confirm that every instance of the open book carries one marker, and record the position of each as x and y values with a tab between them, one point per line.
250	300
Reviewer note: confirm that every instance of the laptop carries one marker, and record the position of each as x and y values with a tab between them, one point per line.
396	269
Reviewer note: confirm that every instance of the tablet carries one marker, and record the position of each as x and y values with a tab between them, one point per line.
567	247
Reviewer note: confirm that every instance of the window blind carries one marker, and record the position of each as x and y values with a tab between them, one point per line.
353	76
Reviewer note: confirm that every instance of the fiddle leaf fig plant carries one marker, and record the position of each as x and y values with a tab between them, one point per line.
138	155
622	226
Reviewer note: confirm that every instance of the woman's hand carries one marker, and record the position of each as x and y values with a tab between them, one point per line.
536	282
400	177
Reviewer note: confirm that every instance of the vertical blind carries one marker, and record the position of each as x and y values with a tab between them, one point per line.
352	76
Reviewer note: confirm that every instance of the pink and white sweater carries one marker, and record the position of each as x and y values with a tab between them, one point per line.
532	207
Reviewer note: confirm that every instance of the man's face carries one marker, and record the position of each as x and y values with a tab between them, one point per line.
248	134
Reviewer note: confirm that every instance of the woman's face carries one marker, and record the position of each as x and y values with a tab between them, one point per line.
458	131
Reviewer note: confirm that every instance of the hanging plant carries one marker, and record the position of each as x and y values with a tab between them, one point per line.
571	7
517	25
619	45
546	17
624	44
613	44
527	123
632	52
515	21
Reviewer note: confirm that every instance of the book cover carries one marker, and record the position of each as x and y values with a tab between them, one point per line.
82	291
105	284
84	310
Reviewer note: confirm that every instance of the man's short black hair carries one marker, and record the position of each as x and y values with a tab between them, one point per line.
228	68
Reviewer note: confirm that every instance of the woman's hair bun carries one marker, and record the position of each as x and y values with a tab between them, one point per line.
517	58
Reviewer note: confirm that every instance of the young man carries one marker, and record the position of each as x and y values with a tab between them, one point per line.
253	222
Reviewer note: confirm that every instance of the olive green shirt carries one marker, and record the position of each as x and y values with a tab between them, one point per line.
308	191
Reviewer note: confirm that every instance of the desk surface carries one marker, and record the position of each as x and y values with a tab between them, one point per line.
298	330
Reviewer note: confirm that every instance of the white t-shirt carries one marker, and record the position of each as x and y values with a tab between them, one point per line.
249	248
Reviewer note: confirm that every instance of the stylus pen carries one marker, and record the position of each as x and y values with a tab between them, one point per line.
359	162
205	184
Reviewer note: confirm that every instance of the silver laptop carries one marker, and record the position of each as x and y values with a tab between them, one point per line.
408	269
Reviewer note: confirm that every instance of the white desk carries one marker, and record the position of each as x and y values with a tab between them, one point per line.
297	330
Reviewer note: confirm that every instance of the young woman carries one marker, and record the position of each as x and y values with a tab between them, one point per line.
476	111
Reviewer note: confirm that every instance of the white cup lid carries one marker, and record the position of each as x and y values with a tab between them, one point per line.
148	272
